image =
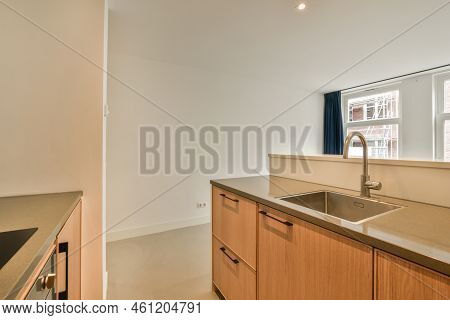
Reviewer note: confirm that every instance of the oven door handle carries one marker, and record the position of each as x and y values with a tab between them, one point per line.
63	247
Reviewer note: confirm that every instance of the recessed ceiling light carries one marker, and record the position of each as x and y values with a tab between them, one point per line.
301	6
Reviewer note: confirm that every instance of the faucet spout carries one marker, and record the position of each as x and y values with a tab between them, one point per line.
363	140
366	184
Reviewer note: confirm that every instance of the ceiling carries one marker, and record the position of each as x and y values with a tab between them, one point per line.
337	40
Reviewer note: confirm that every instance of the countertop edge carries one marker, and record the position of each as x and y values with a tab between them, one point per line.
40	254
422	260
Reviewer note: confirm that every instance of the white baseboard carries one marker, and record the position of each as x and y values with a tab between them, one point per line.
155	228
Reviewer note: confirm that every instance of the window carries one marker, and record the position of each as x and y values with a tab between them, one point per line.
377	117
442	94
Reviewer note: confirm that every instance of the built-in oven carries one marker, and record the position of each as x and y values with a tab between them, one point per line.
44	287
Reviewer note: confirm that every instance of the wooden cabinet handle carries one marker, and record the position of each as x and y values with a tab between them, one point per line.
287	223
225	196
235	261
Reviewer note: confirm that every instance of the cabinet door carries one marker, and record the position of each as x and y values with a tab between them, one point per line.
69	261
278	256
234	224
399	279
298	260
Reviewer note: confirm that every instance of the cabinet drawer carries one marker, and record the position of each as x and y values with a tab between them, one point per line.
234	223
233	277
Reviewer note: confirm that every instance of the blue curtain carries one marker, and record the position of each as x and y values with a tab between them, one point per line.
333	128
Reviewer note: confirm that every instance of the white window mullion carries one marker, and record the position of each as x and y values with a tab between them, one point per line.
441	138
373	123
442	94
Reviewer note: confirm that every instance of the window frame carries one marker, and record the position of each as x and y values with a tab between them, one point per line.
347	95
439	114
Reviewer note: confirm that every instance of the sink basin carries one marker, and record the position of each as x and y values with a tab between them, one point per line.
352	209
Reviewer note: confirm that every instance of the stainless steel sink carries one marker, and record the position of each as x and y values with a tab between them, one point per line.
352	209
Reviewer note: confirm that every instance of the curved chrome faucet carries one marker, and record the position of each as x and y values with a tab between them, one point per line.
366	184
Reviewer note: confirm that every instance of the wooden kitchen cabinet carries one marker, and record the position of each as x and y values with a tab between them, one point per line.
233	277
397	278
69	257
297	260
234	224
262	253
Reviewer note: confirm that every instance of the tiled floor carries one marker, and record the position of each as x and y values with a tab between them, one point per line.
174	265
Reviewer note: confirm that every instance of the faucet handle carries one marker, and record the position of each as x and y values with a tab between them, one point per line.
374	185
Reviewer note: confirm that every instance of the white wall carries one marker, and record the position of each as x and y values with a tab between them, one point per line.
51	112
199	97
417	118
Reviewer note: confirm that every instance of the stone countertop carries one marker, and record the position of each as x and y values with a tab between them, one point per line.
48	213
417	232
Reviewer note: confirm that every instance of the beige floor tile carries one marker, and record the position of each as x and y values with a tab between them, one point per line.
174	265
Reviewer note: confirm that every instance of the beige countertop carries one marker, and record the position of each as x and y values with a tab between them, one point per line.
48	213
417	232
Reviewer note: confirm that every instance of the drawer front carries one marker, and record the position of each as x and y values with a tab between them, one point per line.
234	223
38	292
233	277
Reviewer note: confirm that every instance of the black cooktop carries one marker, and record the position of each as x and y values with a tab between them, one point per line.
11	242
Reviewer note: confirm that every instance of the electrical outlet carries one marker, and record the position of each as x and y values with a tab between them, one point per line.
201	205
